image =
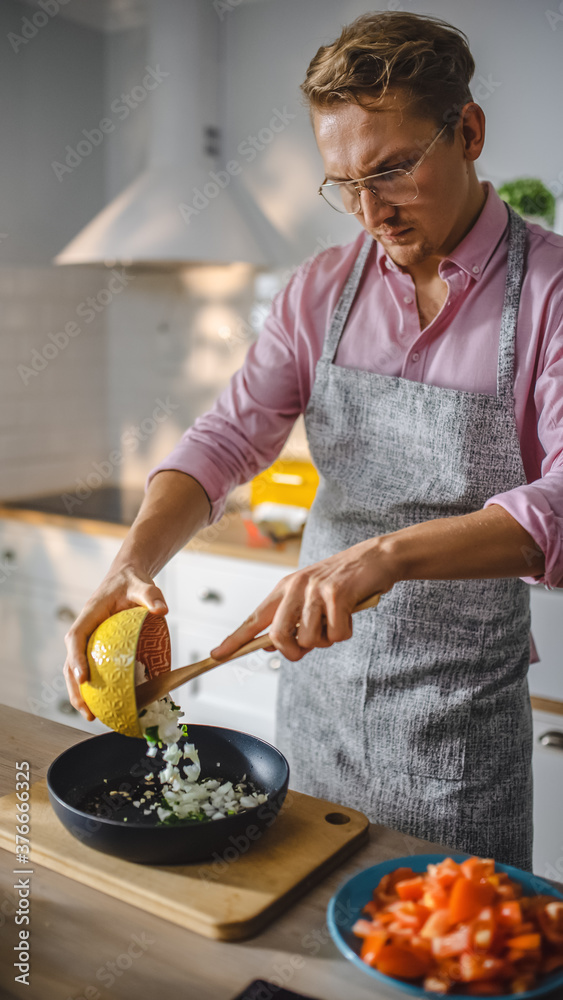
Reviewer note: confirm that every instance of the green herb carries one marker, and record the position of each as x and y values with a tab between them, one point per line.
151	735
176	708
529	196
172	819
184	730
231	812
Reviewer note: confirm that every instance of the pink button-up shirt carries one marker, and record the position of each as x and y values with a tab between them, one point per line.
250	422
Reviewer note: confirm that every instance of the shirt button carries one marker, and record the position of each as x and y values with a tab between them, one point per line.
416	356
475	269
407	299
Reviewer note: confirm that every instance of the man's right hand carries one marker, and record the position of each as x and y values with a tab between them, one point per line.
119	590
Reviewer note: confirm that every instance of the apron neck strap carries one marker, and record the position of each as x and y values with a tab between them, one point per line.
513	285
345	301
512	289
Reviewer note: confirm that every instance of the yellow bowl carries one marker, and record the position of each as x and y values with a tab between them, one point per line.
113	649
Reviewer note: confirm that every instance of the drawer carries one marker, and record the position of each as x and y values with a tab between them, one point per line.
217	590
239	695
547	761
48	556
546	677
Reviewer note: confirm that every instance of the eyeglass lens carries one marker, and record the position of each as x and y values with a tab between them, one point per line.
394	188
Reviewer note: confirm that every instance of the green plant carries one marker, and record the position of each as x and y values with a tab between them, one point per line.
529	196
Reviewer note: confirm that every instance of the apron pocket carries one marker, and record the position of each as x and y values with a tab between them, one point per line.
420	679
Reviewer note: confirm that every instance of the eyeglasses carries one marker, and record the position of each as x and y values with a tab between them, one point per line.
393	187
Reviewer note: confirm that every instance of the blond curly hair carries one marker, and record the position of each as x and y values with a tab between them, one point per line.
427	57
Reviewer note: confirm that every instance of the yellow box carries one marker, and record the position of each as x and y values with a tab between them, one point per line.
285	482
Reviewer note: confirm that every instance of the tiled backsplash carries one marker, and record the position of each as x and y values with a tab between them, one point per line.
52	385
101	370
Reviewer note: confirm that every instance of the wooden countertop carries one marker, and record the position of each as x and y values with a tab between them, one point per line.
78	934
228	537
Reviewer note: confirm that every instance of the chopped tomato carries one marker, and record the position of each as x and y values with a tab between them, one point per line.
452	944
399	932
395	960
461	928
509	913
550	919
436	984
438	923
362	928
480	967
525	942
410	888
445	872
410	914
372	946
478	869
385	891
435	897
468	897
483	929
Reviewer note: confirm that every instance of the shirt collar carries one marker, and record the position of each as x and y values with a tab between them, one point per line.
476	248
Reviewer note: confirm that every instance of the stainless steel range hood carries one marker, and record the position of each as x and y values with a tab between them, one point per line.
185	207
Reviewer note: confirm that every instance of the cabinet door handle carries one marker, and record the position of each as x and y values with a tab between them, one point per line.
211	596
66	708
553	738
65	614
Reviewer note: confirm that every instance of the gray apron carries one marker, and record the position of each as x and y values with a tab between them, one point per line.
422	719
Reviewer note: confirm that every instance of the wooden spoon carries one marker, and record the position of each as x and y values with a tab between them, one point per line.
156	688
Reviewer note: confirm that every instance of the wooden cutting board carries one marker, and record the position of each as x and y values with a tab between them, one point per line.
225	899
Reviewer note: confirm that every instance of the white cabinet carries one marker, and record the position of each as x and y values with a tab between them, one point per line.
238	695
546	677
208	597
46	575
548	795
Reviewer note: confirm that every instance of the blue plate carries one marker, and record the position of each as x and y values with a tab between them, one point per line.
346	907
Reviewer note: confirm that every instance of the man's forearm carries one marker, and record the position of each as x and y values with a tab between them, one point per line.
174	508
486	544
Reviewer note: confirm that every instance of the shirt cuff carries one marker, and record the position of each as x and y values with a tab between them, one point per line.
191	460
530	507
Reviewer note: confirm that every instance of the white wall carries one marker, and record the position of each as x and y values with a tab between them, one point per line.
52	398
50	90
160	337
267	49
52	391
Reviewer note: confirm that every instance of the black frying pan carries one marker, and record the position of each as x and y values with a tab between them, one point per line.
82	800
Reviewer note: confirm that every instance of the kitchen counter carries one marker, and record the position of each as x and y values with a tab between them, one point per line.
111	510
76	931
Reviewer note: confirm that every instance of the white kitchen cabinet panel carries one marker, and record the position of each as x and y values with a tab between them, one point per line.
46	576
13	678
548	795
238	695
45	556
217	590
546	677
36	636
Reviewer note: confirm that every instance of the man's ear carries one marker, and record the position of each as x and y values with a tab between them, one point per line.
472	130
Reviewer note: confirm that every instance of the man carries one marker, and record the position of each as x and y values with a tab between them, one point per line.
427	357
